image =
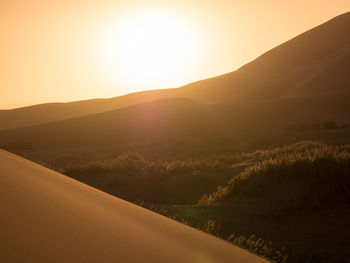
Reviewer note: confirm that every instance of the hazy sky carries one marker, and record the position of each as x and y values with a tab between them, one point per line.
70	50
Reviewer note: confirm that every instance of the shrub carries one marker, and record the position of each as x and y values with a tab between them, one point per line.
308	176
130	163
259	246
134	163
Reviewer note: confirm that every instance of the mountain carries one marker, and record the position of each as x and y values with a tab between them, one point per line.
315	63
162	120
303	81
51	112
312	65
178	123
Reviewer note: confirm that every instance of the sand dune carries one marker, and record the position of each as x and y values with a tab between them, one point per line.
177	120
48	217
315	63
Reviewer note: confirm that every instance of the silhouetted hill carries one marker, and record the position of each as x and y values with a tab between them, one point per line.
312	65
162	120
182	122
51	112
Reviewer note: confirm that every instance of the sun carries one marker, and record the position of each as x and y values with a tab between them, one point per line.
150	48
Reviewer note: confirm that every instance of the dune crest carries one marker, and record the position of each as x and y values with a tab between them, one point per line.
48	217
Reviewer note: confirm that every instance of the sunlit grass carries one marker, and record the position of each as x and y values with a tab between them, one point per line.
221	193
304	175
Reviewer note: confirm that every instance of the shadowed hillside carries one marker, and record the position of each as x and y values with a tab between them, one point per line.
51	112
164	120
185	122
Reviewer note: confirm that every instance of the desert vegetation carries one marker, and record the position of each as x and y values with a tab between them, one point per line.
311	176
129	175
132	177
133	163
250	199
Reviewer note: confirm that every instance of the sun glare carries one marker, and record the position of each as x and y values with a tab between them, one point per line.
150	48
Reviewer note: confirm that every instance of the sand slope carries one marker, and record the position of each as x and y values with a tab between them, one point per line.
48	217
315	63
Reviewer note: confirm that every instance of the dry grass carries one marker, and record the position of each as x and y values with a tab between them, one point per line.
259	246
289	204
133	163
306	174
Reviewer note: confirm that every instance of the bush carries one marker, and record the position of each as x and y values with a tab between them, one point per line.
134	163
308	176
130	163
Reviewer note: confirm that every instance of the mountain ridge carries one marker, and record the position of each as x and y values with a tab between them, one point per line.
312	65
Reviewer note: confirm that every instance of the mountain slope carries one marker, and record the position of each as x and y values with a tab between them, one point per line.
158	121
290	67
49	217
314	64
51	112
179	122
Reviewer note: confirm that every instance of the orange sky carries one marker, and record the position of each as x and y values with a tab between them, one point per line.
64	50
